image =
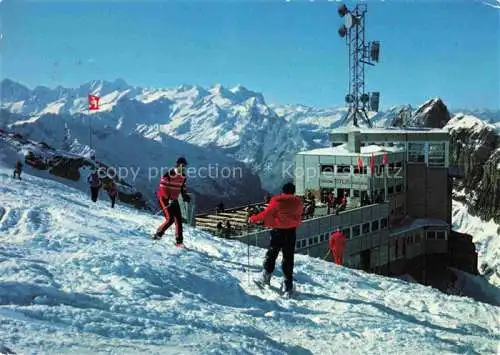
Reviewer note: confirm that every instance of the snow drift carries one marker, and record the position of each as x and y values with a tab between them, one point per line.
83	278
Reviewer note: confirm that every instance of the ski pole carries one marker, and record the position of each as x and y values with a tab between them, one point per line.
248	257
328	253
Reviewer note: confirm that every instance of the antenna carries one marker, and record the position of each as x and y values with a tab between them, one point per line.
360	53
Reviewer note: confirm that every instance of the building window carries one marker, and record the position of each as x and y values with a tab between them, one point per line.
416	152
436	154
399	188
356	231
327	169
298	244
315	239
440	235
310	241
390	190
304	241
343	169
366	228
430	235
356	193
347	232
383	223
375	225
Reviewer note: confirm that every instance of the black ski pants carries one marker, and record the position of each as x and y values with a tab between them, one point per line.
284	240
94	191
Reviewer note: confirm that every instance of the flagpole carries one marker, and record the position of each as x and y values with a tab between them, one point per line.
385	180
90	128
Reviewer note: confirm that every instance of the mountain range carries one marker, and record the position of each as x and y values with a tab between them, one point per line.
231	126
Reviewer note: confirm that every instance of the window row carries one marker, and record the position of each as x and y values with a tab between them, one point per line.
349	232
347	169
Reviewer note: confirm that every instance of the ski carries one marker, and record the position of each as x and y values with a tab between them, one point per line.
276	290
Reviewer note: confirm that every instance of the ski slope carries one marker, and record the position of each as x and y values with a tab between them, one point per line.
78	277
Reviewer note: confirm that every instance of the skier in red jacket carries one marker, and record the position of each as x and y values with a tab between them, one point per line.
283	215
337	244
172	184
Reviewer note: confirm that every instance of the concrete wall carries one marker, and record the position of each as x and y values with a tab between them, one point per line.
427	192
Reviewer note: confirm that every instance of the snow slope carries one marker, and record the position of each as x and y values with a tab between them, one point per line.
82	278
486	236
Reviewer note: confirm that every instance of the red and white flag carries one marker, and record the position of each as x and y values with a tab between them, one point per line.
384	159
360	163
372	164
94	102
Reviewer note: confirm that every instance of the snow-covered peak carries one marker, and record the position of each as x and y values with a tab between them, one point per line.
468	122
11	91
103	87
242	94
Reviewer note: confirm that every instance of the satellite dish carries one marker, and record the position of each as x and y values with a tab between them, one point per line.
364	98
349	98
349	20
342	10
342	31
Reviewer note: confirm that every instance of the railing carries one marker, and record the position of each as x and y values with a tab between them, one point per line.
323	224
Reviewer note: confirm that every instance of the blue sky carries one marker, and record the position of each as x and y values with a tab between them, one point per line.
289	51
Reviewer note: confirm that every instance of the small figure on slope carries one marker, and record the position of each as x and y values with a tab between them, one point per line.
283	215
112	192
337	245
172	184
95	184
18	170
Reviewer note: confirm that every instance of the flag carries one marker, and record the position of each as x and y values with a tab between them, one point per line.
93	102
372	164
384	159
360	163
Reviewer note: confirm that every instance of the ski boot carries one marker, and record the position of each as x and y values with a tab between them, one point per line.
264	280
156	236
287	292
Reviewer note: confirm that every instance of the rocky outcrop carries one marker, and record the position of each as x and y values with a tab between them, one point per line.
68	168
432	114
475	145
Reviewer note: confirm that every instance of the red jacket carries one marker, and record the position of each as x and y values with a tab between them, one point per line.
172	184
284	211
337	242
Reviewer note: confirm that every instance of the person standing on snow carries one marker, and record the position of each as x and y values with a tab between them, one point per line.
337	245
112	192
283	215
18	169
172	184
95	184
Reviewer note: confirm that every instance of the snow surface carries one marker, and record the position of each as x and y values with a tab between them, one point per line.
79	277
486	236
